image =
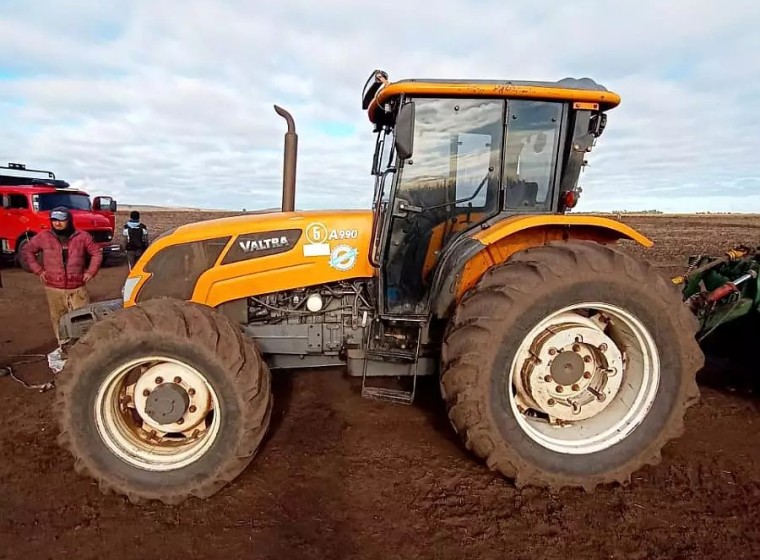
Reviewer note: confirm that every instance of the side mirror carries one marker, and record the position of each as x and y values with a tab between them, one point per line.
104	203
405	131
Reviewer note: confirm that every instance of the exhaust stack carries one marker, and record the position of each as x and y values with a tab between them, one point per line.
289	162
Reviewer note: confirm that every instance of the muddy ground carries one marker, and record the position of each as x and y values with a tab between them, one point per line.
341	477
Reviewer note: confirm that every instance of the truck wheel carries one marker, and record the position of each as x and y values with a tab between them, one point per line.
163	401
572	364
19	260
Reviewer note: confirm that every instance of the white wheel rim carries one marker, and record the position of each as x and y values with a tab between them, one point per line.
127	428
609	419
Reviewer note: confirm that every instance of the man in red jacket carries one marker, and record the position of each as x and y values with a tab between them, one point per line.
62	271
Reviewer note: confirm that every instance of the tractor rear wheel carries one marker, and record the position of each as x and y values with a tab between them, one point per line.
572	364
163	401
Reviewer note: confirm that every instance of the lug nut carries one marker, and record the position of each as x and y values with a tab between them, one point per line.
575	387
586	375
552	351
191	391
559	388
146	392
181	421
587	359
603	347
547	378
576	347
159	380
193	408
551	402
178	380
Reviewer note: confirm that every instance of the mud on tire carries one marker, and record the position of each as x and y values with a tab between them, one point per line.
485	337
210	348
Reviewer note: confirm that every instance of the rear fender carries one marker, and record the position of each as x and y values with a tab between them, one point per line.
470	256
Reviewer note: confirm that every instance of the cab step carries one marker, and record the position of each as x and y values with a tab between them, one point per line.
389	395
401	355
372	353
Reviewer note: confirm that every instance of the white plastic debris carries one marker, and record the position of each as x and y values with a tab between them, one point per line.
56	361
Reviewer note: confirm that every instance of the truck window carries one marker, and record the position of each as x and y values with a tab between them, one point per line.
18	201
48	201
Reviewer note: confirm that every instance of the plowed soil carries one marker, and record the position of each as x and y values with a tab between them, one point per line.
343	477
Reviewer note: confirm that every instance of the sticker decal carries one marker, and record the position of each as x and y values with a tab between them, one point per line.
343	257
317	246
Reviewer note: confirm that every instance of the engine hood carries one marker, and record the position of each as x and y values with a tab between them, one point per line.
86	220
237	225
220	260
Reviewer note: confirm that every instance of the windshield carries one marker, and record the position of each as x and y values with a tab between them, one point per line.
382	168
48	201
382	162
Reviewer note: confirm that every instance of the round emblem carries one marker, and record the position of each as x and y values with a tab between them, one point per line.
316	233
343	257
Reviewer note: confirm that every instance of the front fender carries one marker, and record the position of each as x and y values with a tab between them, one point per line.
471	255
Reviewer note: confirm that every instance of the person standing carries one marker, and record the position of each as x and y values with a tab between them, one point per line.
63	272
135	238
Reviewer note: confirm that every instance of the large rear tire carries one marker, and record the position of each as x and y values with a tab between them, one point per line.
163	401
551	395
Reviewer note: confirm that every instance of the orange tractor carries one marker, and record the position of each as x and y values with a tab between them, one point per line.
563	361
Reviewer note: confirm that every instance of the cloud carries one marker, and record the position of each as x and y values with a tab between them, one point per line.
171	102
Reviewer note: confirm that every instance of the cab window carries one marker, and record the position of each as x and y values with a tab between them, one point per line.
530	156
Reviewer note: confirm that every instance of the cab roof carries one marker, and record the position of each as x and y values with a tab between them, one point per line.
584	90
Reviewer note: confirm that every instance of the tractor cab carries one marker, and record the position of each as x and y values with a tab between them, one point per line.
453	156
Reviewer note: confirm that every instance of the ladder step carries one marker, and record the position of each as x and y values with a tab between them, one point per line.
395	354
391	395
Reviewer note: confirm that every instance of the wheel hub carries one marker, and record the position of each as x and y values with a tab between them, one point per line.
572	370
171	399
167	403
567	368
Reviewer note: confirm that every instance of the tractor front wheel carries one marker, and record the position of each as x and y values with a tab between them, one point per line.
572	364
163	401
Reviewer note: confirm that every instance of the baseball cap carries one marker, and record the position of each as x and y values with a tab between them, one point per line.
59	214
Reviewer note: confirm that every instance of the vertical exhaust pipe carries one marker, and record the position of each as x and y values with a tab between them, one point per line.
289	162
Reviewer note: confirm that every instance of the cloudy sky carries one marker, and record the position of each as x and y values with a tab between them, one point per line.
170	102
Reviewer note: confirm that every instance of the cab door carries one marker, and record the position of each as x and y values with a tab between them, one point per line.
16	213
449	184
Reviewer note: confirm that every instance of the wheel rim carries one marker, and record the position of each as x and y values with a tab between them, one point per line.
584	378
157	413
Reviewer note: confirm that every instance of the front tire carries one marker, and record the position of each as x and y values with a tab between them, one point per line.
163	401
20	262
571	364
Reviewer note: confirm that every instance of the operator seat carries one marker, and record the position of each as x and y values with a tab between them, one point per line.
521	194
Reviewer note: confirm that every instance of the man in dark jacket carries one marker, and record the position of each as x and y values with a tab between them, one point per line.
135	238
64	252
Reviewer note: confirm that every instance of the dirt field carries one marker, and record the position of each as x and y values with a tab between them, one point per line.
341	477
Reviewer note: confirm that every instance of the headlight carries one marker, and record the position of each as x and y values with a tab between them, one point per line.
129	287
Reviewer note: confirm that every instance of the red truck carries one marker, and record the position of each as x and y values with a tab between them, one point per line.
27	201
